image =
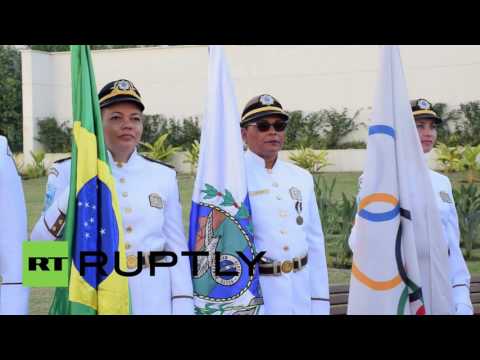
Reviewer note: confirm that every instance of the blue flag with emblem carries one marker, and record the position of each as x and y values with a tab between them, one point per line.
220	218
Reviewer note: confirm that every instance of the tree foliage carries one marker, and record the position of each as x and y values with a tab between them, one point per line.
11	96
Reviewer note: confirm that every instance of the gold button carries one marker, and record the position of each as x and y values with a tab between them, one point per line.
132	262
122	180
283	232
128	210
286	248
127	246
129	229
125	194
119	165
275	184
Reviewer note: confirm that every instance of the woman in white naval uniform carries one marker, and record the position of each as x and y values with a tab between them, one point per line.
286	222
149	203
426	121
13	232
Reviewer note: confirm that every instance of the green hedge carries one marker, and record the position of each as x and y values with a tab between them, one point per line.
323	129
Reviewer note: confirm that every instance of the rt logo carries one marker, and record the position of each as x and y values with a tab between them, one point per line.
45	264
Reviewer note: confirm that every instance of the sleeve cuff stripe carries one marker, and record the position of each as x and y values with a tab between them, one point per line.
19	283
320	299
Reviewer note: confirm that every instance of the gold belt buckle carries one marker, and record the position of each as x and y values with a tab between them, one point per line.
287	266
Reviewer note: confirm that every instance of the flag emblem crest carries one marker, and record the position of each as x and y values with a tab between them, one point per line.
221	216
213	226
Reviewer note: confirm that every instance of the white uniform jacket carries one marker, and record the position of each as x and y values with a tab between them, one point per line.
459	274
275	213
13	232
152	221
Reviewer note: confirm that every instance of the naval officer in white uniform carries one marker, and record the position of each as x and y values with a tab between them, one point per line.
149	203
286	222
13	232
426	121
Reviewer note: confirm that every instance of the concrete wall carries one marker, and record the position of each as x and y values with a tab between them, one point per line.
342	160
173	80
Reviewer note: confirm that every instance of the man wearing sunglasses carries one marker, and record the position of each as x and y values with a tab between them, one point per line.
286	222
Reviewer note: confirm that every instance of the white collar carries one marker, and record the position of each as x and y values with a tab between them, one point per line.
260	162
130	162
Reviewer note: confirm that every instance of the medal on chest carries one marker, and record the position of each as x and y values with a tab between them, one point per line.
296	196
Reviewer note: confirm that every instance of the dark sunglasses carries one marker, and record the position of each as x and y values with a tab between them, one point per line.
264	125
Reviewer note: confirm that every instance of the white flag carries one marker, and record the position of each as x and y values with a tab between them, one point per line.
400	259
220	219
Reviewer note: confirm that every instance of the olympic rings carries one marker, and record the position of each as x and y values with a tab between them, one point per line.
374	284
381	129
379	217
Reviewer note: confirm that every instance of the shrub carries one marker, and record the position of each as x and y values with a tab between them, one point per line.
337	125
160	150
346	210
319	130
449	157
467	200
337	219
193	156
325	202
310	160
469	162
35	170
182	133
445	129
55	138
469	127
352	145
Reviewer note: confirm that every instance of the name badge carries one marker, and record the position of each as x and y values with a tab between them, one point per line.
156	201
259	192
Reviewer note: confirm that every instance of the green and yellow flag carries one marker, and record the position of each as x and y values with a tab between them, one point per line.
93	222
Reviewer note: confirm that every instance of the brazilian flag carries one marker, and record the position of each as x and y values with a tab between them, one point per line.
93	221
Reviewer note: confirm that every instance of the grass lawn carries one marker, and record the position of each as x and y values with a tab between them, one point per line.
345	182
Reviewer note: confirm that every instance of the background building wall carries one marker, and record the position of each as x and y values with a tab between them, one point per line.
173	80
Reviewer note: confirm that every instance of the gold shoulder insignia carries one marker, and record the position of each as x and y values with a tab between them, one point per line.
62	160
52	171
445	197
